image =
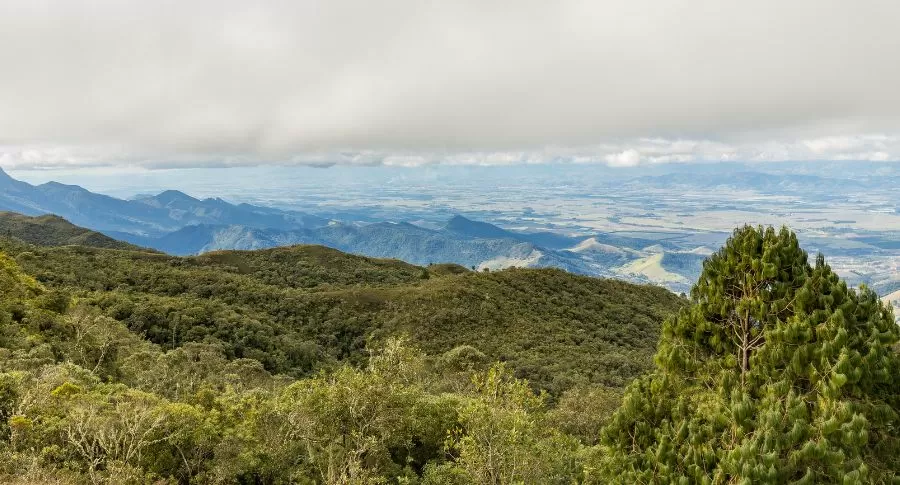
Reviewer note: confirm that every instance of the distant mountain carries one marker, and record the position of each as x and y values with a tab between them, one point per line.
203	238
674	270
469	228
465	227
97	211
177	223
605	254
403	241
188	210
19	196
148	216
423	246
549	240
51	230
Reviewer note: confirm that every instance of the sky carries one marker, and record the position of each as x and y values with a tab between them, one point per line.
218	83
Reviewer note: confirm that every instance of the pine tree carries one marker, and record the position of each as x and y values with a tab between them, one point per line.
777	373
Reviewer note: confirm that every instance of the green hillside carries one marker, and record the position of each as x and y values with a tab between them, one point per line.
294	366
302	308
121	366
51	230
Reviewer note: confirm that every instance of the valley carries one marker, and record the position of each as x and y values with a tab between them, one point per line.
650	224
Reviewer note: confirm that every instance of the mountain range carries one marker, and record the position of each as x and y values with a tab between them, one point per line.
178	224
151	217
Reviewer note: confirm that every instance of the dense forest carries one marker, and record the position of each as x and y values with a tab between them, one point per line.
307	365
52	230
300	309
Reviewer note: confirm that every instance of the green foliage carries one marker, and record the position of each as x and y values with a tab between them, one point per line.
583	411
354	426
301	309
444	269
51	230
504	437
310	267
777	373
85	399
304	365
14	284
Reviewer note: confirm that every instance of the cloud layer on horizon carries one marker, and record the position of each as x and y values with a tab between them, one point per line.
407	82
879	148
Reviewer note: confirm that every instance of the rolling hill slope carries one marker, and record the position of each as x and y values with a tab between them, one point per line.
301	308
51	230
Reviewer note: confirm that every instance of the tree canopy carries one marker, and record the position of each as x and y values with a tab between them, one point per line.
301	309
776	373
127	367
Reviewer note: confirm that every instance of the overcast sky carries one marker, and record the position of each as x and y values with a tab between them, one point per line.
191	83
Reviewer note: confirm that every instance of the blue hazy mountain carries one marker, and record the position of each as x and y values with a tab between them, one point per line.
152	216
179	224
176	223
469	228
465	227
405	241
189	210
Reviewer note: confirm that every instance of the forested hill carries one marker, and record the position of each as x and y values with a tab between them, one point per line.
51	230
303	308
287	366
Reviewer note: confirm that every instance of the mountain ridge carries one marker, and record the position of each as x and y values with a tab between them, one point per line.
336	302
53	230
180	224
147	217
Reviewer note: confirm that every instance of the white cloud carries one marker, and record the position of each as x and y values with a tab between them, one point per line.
228	82
626	153
626	158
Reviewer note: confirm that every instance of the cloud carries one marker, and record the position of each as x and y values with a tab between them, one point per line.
627	158
617	154
410	82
